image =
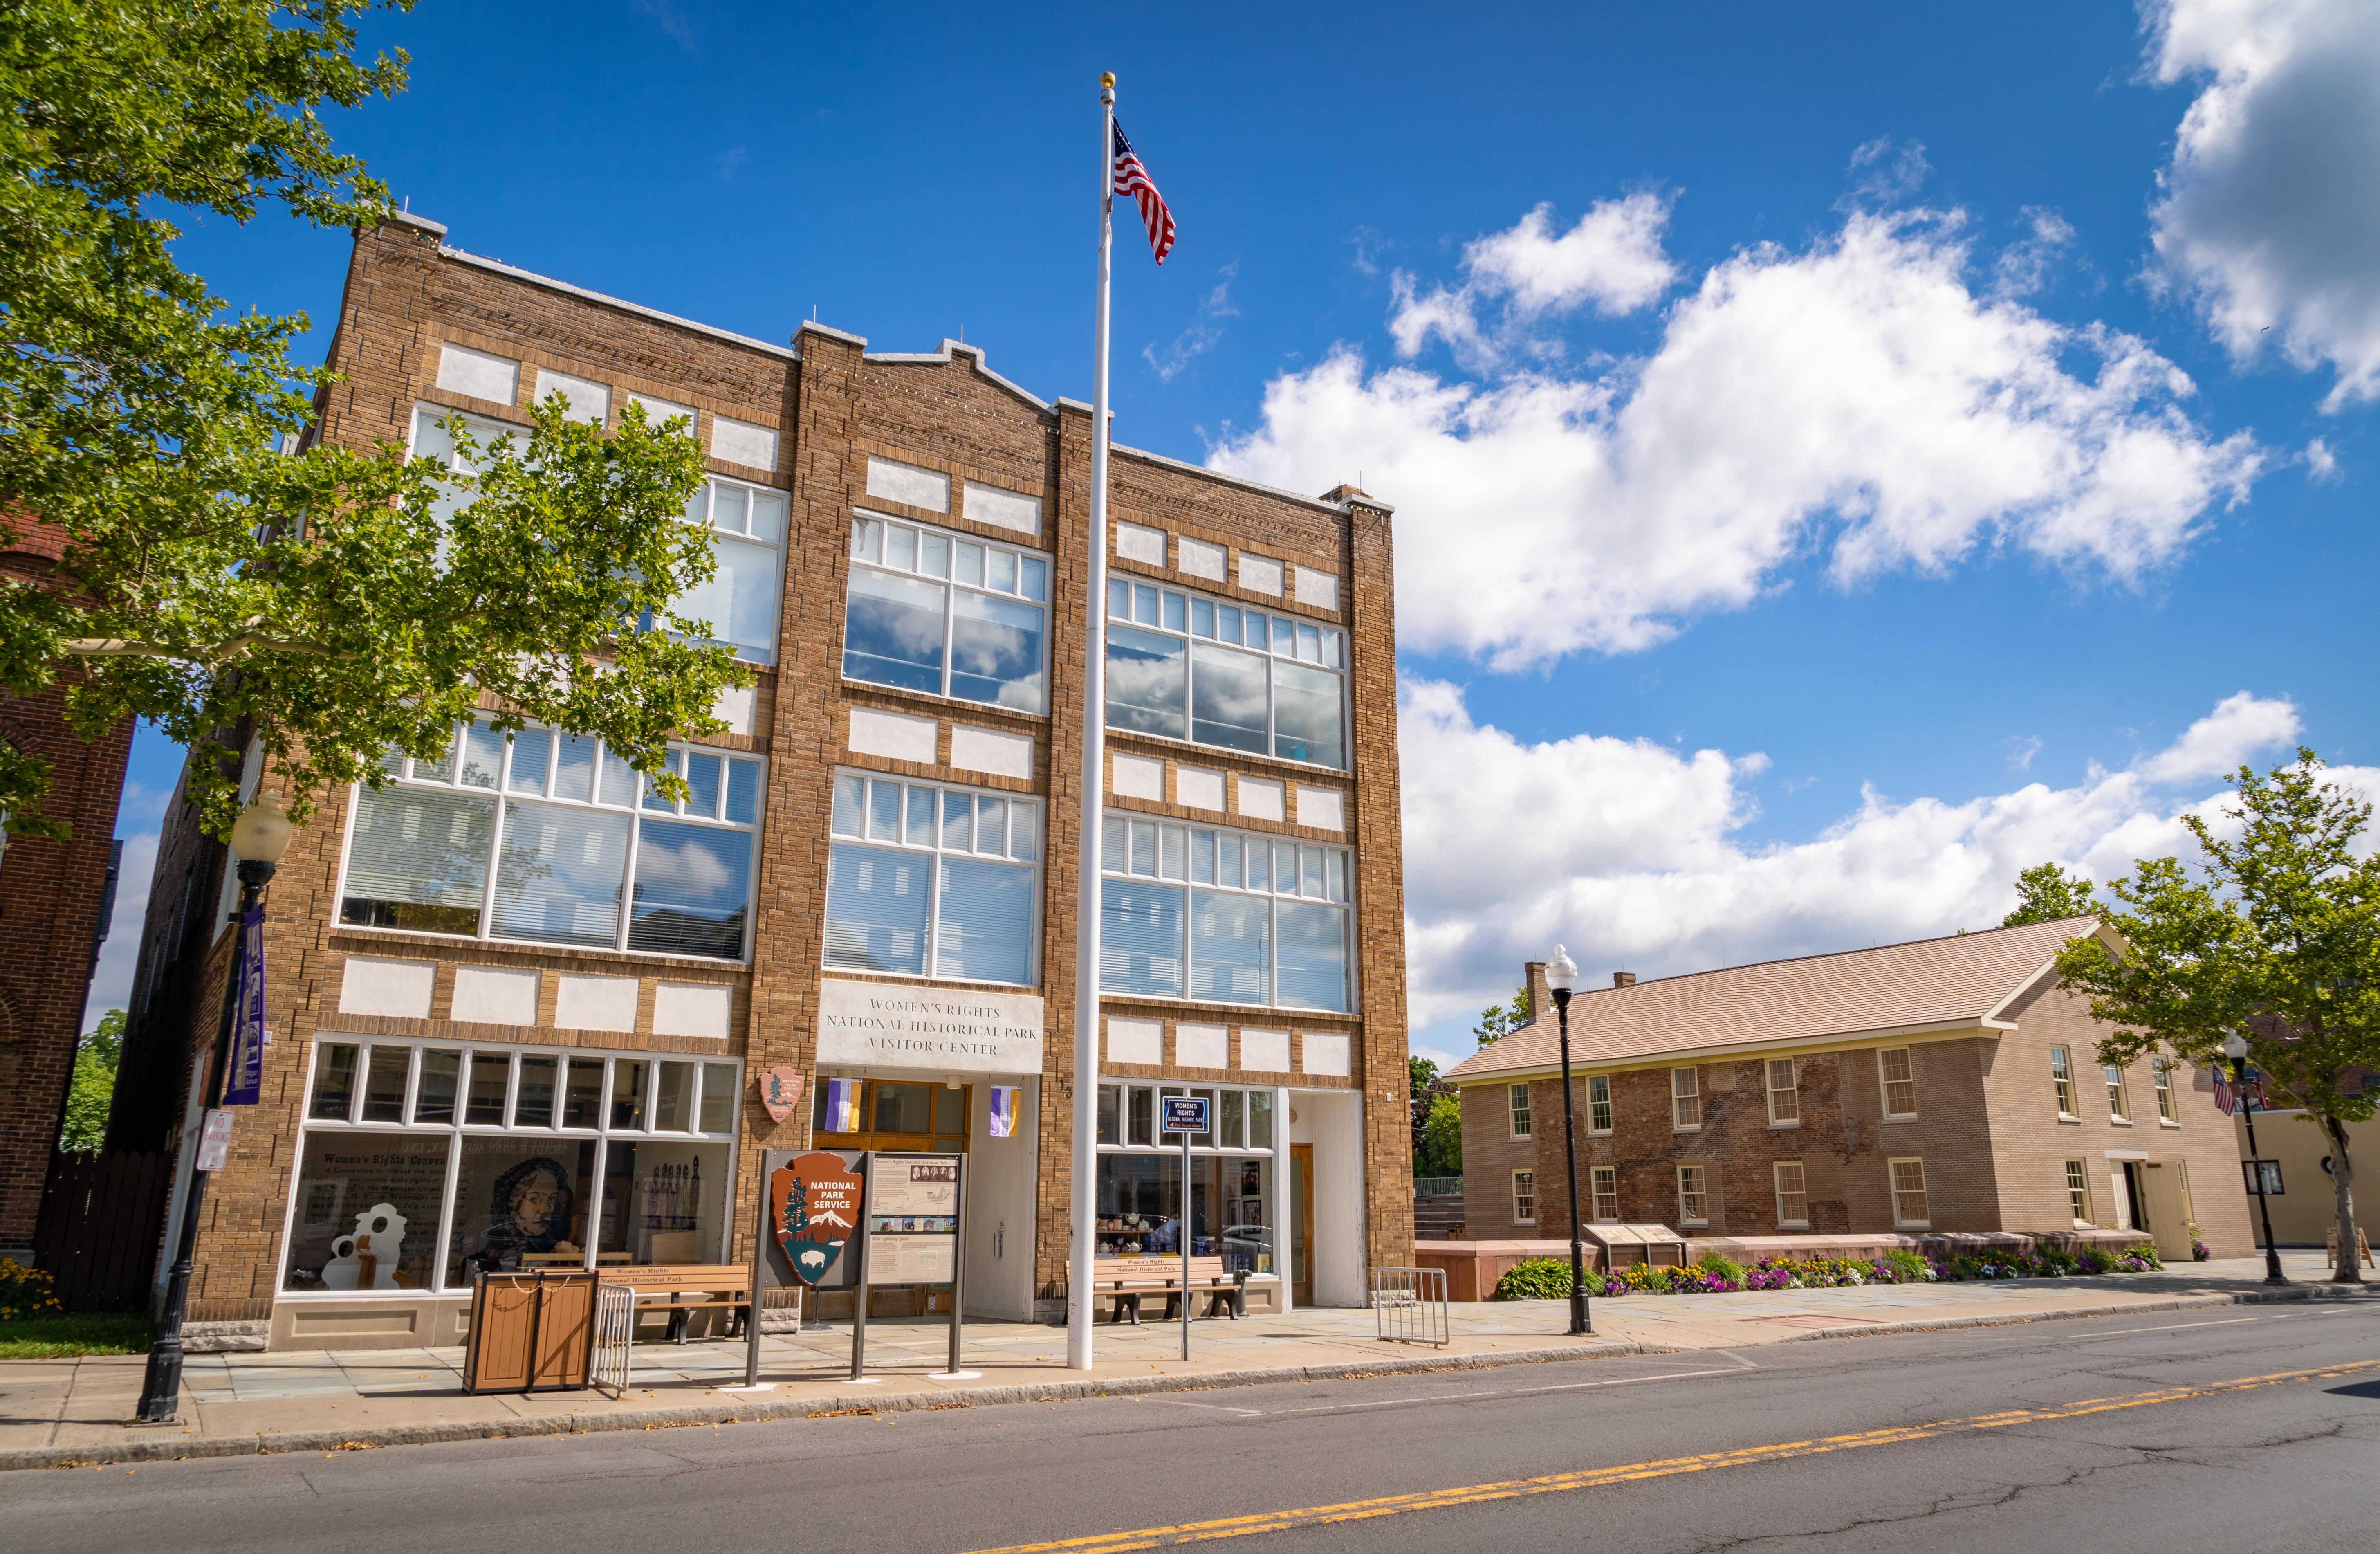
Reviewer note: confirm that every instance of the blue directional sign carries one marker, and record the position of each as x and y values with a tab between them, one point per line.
1182	1113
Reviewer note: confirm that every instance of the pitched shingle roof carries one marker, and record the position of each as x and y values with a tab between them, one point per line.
1945	982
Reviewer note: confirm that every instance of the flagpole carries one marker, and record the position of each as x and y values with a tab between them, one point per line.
1094	772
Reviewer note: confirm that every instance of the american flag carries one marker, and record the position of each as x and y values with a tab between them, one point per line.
1131	178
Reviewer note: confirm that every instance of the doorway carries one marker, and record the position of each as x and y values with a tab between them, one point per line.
921	1118
1301	1224
2136	1198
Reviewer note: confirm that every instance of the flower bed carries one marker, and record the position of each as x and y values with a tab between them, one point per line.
1549	1278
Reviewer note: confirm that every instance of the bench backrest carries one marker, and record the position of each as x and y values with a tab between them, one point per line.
665	1277
1140	1269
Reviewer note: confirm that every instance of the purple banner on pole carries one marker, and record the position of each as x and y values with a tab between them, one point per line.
244	1085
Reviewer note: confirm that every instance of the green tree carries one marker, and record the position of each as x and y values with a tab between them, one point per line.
1421	1075
1440	1153
1500	1020
2045	892
93	1086
2276	936
332	604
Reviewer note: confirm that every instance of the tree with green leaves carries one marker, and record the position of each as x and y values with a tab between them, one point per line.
1438	1152
84	1131
2276	936
2045	892
1501	1020
328	605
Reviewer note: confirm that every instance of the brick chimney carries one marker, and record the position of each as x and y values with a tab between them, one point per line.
1623	978
1541	997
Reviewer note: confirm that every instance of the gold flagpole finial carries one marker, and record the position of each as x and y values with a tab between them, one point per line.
1107	80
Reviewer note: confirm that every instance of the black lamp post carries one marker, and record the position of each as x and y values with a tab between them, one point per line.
1561	974
259	837
2235	1046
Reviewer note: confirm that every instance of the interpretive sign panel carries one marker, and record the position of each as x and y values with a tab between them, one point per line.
912	1218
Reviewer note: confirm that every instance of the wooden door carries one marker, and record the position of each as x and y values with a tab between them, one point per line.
1301	1224
2162	1194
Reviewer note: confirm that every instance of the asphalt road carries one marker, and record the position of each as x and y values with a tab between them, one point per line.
2020	1437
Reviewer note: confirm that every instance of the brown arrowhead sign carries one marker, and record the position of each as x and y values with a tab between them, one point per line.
781	1091
814	1207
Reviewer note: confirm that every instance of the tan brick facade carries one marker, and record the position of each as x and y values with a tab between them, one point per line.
833	404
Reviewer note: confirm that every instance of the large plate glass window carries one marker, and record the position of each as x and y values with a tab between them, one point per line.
1139	1211
421	1165
549	838
950	615
1183	666
747	525
929	880
1222	916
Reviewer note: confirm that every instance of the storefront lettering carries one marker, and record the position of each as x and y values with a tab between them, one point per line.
863	1023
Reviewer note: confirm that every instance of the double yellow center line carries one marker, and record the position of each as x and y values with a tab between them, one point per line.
1594	1478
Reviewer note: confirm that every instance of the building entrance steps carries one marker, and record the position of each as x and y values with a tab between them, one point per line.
58	1412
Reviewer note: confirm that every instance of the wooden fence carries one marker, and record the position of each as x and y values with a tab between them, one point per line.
102	1219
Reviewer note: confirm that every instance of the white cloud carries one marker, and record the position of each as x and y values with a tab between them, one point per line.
110	982
1857	394
2322	465
2215	746
1200	335
1629	853
2270	212
1886	171
1611	261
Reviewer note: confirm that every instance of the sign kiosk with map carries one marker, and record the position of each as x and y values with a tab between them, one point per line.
910	1234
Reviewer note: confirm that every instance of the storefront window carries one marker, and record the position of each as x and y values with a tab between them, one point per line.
1140	1208
607	1159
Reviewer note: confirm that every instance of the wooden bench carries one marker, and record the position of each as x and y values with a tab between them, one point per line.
1125	1279
681	1289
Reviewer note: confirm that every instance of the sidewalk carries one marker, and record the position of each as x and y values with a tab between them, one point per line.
57	1412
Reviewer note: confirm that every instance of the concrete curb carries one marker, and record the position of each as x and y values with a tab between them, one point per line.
742	1412
2211	1301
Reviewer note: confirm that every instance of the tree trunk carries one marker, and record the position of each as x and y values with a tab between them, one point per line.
2349	1269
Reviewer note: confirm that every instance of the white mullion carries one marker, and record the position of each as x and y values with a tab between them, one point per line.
412	1087
362	1081
447	1212
512	1086
950	610
628	872
602	1164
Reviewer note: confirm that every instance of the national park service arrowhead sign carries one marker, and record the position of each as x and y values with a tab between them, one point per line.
813	1209
781	1091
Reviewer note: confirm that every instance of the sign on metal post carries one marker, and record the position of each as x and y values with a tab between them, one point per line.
911	1234
1186	1115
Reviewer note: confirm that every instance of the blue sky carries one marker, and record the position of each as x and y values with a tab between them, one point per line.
1870	474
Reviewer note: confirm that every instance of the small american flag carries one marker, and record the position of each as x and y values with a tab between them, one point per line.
1131	178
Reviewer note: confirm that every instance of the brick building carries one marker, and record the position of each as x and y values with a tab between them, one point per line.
53	899
528	1008
1942	1085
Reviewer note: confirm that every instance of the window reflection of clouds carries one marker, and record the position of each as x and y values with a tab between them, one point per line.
1144	682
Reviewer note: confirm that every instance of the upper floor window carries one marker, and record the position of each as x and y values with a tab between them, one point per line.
920	875
1254	919
1900	1082
1685	1098
1784	1096
2061	1073
1598	1103
2162	1072
1191	668
550	838
938	613
1517	1097
747	537
2120	1107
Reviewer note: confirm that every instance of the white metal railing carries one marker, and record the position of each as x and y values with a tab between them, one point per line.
1409	1305
615	1335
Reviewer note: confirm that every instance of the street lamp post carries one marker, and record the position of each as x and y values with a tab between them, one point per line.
1561	974
259	838
2235	1046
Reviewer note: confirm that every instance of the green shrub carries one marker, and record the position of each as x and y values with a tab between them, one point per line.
1910	1267
1711	1262
1539	1279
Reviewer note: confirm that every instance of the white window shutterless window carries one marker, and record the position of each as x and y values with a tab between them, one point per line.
2062	1075
1784	1097
1222	916
1685	1101
2078	1191
2161	1072
1908	1206
2120	1106
1793	1193
549	838
936	612
1693	1202
1524	1198
927	879
747	537
1598	1103
1517	1098
1186	667
1604	1182
1900	1079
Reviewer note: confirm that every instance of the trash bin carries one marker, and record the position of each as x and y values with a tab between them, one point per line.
515	1316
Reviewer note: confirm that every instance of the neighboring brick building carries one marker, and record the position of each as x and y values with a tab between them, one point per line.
53	897
1945	1085
530	1019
